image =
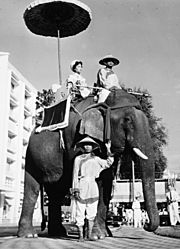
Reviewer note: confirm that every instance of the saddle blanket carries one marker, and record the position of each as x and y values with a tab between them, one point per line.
56	116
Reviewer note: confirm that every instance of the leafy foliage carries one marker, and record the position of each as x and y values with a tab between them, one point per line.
44	98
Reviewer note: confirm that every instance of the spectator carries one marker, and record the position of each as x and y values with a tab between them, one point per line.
172	201
137	211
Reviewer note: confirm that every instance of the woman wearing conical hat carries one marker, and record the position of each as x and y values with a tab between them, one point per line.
87	168
106	78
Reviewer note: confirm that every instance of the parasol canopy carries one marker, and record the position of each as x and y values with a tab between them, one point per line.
57	18
45	17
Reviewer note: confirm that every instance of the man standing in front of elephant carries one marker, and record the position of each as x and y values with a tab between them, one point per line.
87	168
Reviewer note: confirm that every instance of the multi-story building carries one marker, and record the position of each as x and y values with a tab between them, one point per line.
17	109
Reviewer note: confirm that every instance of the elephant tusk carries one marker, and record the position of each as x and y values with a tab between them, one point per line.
140	154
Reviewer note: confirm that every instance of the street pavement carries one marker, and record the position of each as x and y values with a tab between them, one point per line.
123	237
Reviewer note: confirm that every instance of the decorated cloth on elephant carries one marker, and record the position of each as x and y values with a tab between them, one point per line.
56	116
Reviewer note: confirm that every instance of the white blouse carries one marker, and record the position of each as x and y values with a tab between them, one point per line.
77	81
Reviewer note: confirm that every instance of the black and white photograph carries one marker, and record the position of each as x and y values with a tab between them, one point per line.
90	124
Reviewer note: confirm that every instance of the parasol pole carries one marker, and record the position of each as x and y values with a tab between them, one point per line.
59	61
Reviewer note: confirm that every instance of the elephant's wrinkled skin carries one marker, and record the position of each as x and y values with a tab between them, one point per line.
129	129
47	164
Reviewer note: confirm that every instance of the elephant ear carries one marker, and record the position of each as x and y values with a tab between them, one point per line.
92	124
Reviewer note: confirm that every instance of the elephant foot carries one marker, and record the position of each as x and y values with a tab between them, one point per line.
26	231
149	227
27	235
30	235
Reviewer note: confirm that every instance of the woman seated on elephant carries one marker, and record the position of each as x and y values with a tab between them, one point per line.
76	84
87	168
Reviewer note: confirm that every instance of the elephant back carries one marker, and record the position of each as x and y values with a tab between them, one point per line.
119	98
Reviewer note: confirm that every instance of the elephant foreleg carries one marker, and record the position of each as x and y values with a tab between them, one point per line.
105	187
31	191
55	195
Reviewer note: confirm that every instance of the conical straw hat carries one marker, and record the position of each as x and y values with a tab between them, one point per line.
107	58
87	140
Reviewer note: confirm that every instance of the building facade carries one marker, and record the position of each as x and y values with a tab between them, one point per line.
17	108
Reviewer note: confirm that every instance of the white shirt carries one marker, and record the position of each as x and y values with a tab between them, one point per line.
107	78
172	196
77	81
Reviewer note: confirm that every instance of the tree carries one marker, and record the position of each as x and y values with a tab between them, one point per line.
43	99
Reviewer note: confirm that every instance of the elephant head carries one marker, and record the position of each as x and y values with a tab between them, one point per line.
128	130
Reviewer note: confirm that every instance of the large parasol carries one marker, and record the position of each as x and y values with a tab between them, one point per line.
57	18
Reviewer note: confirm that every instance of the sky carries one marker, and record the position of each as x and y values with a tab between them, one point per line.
143	34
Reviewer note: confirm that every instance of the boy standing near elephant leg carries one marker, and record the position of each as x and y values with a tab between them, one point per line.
87	168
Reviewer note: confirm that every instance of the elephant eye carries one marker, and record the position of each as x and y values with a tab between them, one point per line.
127	119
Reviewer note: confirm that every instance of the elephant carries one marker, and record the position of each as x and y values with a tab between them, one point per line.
50	165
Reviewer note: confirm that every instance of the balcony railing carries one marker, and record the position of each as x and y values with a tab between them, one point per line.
11	156
26	135
12	118
13	101
27	111
27	92
12	128
14	80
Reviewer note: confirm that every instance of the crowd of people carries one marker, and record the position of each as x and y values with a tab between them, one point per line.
129	214
134	215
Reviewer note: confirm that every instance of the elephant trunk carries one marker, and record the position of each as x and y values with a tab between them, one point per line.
148	182
151	207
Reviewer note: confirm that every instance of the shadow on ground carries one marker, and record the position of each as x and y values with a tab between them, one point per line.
169	231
